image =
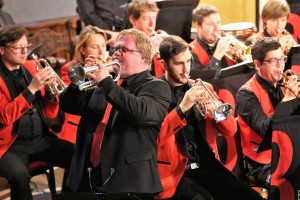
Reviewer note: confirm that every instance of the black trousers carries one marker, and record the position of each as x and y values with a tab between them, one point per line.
209	182
13	166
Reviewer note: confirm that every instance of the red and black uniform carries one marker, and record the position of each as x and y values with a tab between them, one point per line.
258	102
188	159
203	56
25	134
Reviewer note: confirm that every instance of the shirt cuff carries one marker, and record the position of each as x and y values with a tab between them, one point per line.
106	84
180	113
28	95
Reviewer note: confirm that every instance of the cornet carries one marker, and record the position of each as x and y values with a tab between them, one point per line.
59	85
220	111
238	51
289	41
77	73
286	75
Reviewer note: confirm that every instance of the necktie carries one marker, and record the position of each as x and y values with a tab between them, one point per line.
99	133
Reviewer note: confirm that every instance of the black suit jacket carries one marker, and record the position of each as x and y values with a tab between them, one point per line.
130	147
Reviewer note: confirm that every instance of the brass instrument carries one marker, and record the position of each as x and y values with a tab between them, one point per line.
238	51
286	75
288	44
77	73
59	85
220	111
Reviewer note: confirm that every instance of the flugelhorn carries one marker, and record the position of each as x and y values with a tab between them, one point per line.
238	51
220	111
286	76
288	42
77	73
59	86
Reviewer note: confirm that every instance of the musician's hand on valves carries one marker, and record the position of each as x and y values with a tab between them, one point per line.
156	39
44	77
222	47
193	96
292	88
286	42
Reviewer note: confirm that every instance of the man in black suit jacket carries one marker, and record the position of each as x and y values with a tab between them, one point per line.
129	148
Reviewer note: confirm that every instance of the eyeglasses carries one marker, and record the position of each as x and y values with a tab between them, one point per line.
19	49
275	61
123	50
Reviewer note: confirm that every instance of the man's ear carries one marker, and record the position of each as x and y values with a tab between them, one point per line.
164	65
257	65
1	50
131	20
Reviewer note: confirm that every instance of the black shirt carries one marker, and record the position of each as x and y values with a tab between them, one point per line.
189	139
30	127
249	108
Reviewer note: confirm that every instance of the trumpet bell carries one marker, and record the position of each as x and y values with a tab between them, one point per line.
76	73
222	112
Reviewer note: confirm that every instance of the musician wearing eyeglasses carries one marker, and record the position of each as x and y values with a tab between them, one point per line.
25	106
188	159
127	116
208	50
261	100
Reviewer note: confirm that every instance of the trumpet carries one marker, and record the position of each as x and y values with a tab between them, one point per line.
238	51
59	85
77	73
220	111
288	42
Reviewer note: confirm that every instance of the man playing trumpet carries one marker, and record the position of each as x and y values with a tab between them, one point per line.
25	105
274	17
208	49
260	101
188	160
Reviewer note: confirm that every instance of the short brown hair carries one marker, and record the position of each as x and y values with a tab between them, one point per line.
274	9
171	46
262	46
202	11
135	7
11	33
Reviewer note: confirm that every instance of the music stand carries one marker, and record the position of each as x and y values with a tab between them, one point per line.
239	68
175	17
204	74
294	50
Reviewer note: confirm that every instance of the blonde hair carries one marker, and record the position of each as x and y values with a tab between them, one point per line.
84	36
142	41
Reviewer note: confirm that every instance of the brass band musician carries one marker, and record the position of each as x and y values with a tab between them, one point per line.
188	160
274	17
208	49
261	100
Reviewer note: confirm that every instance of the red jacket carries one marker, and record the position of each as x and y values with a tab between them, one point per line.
203	56
69	127
169	152
250	140
11	111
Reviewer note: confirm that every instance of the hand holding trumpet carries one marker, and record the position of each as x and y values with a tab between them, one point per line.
44	78
292	86
99	74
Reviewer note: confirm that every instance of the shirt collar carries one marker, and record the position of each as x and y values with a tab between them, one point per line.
265	84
